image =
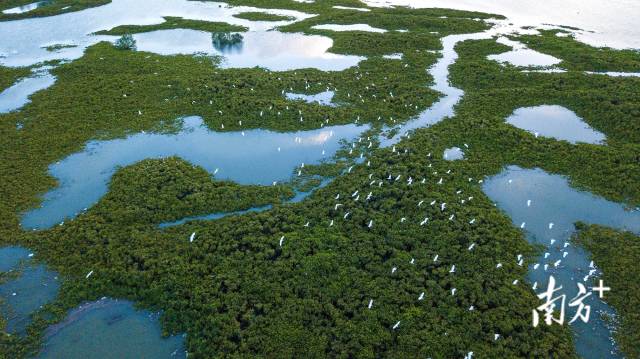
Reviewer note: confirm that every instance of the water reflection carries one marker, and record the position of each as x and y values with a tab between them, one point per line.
110	329
547	207
248	157
272	49
453	154
33	287
555	121
24	45
323	98
605	23
522	56
350	27
16	96
24	8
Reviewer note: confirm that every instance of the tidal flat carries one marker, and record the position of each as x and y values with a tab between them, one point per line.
311	179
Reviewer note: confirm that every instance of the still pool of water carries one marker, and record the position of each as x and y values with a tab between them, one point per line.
555	121
24	46
248	157
605	23
350	27
323	98
34	286
16	96
522	56
547	207
24	8
272	50
453	154
11	256
110	328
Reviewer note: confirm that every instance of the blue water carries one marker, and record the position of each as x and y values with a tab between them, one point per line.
555	121
34	287
110	329
453	154
323	98
16	96
217	215
553	200
249	157
10	257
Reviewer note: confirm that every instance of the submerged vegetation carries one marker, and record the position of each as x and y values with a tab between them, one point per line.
173	23
370	278
617	254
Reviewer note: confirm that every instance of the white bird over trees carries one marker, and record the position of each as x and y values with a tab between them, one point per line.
281	240
396	325
370	224
471	246
421	297
370	304
88	275
453	269
192	237
435	259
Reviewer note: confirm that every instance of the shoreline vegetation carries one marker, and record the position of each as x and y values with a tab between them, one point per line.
235	290
174	23
617	254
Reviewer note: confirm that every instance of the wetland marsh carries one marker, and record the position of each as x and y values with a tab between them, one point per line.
339	178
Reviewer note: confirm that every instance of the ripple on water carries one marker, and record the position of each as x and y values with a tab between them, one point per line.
110	328
555	121
553	209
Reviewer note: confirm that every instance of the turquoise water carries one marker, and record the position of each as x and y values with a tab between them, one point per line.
110	328
554	202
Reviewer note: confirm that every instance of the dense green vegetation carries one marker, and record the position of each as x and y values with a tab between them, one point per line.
173	23
9	75
51	7
166	88
582	57
235	290
608	104
262	16
617	254
154	191
125	42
